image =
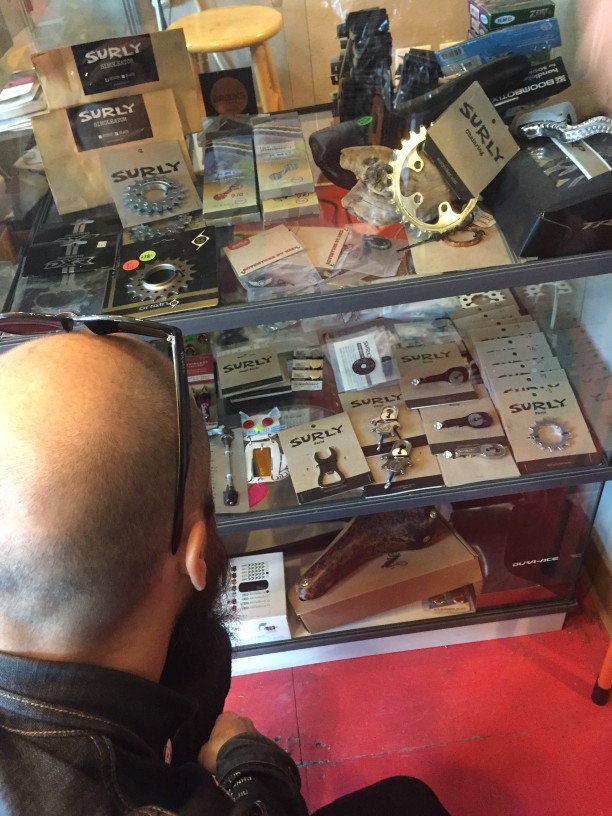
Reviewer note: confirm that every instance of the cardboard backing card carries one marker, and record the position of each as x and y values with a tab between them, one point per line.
548	397
387	582
71	255
72	143
440	360
477	319
253	252
165	275
324	458
106	69
248	369
449	438
148	177
512	349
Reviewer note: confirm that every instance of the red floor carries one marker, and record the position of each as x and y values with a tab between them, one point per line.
502	728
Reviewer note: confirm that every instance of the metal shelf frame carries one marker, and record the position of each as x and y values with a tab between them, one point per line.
410	290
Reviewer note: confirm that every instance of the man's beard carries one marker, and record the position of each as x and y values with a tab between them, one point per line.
198	663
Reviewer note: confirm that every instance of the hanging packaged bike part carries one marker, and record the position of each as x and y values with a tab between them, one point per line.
72	254
230	185
433	375
107	69
165	276
73	141
281	157
150	183
324	458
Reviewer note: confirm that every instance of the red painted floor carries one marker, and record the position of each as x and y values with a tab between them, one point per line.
502	728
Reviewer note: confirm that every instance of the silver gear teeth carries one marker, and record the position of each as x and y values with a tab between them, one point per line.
179	273
135	196
408	156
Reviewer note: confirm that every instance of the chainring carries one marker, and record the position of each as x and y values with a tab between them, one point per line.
408	156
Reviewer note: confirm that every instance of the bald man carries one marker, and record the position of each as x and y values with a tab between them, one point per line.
113	664
92	599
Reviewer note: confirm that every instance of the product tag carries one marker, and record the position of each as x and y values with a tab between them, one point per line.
150	182
106	65
252	253
469	143
100	124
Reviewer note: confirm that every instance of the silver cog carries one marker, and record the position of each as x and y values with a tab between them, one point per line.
135	196
160	280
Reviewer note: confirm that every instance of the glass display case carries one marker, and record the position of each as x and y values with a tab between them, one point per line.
516	499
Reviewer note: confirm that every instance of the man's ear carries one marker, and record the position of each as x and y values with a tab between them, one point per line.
195	549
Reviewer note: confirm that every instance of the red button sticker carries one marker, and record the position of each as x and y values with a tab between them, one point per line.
129	265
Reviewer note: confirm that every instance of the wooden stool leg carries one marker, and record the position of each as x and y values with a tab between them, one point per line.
601	690
266	78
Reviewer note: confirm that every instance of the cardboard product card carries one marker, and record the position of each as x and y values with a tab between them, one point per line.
322	244
461	424
230	185
150	183
464	321
544	423
462	471
482	302
107	69
263	248
436	257
388	582
247	369
324	458
512	349
71	255
72	143
281	156
219	463
293	206
469	143
165	276
228	93
374	399
396	421
431	375
499	330
200	366
501	371
379	432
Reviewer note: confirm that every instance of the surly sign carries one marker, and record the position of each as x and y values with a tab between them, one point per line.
479	134
537	406
146	171
247	365
389	399
122	62
100	124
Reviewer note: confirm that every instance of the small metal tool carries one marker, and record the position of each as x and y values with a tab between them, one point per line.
230	494
488	450
455	376
477	419
329	474
396	462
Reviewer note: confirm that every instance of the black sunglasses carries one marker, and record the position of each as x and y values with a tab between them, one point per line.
23	323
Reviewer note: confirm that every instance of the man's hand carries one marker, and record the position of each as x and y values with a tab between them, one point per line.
227	725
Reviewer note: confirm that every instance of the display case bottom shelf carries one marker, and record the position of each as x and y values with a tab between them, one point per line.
488	625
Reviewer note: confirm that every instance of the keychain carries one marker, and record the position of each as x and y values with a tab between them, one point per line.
386	424
455	376
488	450
396	462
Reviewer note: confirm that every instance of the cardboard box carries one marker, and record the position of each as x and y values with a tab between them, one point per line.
387	582
495	14
547	207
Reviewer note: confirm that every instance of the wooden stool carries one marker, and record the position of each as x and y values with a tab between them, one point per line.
226	29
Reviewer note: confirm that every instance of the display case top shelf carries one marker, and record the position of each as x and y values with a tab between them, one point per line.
410	290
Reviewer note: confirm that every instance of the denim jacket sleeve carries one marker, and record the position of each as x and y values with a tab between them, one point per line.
258	774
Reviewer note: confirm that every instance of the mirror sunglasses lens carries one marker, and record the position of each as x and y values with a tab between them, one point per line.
29	326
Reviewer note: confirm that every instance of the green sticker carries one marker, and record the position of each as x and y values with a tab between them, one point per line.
365	120
148	255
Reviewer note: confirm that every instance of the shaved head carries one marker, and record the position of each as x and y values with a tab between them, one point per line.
88	446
